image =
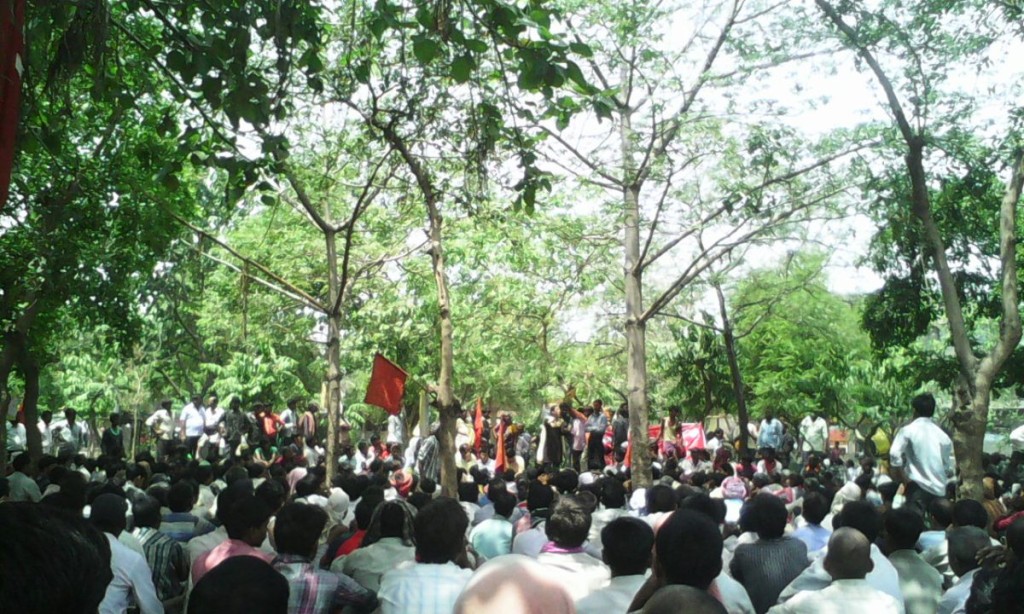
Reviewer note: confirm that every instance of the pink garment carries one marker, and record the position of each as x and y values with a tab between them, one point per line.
219	554
579	435
293	478
514	583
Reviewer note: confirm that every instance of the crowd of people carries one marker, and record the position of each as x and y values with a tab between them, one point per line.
231	511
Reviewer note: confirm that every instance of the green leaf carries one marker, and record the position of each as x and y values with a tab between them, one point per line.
462	68
581	50
425	49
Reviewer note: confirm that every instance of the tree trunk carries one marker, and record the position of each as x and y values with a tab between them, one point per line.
333	409
445	393
636	326
6	366
734	369
30	371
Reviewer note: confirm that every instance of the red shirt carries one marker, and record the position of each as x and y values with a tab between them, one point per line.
351	544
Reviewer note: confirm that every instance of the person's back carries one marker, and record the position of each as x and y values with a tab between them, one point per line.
297	528
133	580
384	547
181	524
964	544
433	583
920	583
628	543
246	524
768	565
166	558
242	585
813	535
567	530
922	453
847	563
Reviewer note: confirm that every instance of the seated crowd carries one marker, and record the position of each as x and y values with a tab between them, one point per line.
179	535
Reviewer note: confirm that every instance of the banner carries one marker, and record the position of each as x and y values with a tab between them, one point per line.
478	425
499	454
387	385
12	56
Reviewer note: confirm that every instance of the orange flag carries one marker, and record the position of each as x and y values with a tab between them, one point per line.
387	385
12	62
478	424
499	455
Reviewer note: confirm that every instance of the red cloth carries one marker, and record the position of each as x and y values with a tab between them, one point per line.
12	57
478	425
387	385
351	544
269	423
499	457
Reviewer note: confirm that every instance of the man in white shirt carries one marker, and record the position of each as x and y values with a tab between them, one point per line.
213	416
848	562
396	430
432	584
192	424
17	438
133	579
288	416
920	583
161	425
813	435
921	456
627	551
22	486
564	553
882	576
45	418
964	544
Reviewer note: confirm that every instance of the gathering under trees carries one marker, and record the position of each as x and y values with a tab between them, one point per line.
712	214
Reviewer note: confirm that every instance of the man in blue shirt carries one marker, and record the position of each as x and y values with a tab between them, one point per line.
815	536
770	435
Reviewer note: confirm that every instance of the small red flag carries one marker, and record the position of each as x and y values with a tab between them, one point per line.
628	461
387	385
478	424
499	455
12	58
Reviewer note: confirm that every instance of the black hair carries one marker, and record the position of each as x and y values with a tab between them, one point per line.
469	492
51	561
540	496
227	497
297	528
863	516
308	485
181	497
970	513
419	499
815	507
273	493
565	481
428	485
504	503
689	549
240	585
660	498
146	512
701	502
627	546
770	516
440	531
392	519
903	527
245	514
21	461
941	511
924	405
364	513
569	523
612	493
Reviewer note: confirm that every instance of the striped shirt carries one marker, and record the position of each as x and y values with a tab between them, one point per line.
315	591
183	526
167	560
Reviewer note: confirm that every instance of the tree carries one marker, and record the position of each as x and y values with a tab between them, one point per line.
925	42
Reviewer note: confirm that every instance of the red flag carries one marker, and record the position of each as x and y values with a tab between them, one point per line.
478	424
12	57
387	385
499	455
628	461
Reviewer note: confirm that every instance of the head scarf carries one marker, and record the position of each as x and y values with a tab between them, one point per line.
402	482
513	583
373	531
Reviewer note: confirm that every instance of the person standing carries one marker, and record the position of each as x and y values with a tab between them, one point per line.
192	424
549	450
288	418
73	436
212	419
578	435
770	433
813	435
307	424
596	425
236	424
428	458
112	442
921	456
161	425
620	428
45	434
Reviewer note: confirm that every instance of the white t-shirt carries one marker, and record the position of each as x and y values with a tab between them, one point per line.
194	419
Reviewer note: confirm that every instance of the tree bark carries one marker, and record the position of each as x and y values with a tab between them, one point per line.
445	393
636	326
30	371
734	368
333	409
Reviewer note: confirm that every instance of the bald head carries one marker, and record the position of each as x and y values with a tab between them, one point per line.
849	555
680	598
964	544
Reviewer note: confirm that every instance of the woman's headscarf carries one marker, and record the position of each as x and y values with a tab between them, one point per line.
293	478
373	532
514	583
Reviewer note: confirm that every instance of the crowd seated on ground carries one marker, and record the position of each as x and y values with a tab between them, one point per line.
231	533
